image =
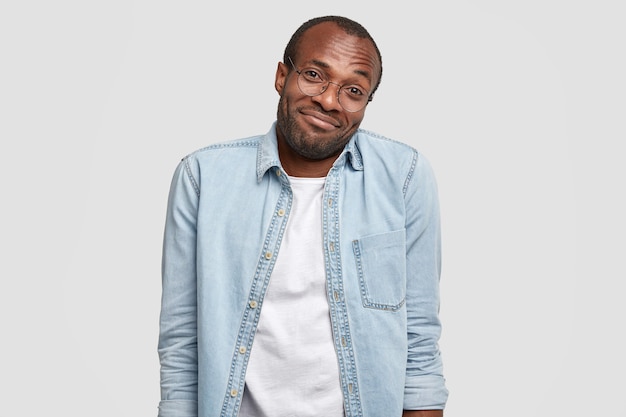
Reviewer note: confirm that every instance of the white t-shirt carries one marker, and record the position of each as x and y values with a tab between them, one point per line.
293	369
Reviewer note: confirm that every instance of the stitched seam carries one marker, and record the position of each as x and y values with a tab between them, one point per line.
409	177
193	181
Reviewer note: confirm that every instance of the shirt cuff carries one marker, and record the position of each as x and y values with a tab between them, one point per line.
425	393
178	408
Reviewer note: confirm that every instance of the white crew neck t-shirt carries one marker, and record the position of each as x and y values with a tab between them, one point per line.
293	369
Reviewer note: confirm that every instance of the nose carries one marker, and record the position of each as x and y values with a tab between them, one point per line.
329	99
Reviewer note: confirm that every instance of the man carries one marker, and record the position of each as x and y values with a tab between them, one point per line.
301	267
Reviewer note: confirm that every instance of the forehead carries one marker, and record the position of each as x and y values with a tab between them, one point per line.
328	44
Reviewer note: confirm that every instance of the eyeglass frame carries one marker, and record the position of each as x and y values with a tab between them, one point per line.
370	96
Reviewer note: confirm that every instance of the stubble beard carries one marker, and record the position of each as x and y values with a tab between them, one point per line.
302	143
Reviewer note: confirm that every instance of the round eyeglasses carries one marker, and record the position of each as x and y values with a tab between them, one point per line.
351	97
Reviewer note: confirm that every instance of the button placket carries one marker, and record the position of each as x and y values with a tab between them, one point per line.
259	285
339	318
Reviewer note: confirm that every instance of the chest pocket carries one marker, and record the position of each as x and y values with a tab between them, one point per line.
381	267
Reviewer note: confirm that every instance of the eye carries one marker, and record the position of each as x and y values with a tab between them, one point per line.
354	91
312	75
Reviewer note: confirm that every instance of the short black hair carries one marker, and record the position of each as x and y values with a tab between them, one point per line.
349	26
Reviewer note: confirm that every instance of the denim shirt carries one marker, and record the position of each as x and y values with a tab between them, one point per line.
227	210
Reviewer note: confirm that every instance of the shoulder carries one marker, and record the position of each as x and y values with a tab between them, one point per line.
392	157
375	149
369	141
225	148
220	159
223	154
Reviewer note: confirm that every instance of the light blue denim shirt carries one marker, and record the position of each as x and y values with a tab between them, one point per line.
227	211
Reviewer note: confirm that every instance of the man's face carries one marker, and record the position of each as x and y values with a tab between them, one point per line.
318	127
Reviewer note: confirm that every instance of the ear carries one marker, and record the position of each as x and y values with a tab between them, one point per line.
281	77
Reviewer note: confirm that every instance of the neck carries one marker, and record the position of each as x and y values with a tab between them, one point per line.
298	166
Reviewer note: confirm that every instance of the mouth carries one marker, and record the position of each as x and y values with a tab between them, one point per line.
320	120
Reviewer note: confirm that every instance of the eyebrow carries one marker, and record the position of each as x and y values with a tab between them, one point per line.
322	64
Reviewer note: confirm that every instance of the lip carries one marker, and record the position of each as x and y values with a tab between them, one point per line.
320	120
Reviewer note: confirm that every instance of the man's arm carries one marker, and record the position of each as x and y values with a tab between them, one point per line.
425	385
178	352
422	413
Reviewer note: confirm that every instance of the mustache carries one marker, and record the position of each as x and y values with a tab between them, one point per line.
319	111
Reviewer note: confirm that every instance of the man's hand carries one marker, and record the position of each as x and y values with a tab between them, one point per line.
422	413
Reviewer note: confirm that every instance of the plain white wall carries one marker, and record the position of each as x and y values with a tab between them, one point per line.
518	105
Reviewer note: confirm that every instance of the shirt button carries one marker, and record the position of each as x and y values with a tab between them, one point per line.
336	295
278	173
332	246
253	304
330	202
242	350
233	392
268	255
281	212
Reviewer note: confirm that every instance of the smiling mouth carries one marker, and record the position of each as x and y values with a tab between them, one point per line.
321	120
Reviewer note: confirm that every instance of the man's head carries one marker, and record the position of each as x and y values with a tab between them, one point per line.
349	26
330	70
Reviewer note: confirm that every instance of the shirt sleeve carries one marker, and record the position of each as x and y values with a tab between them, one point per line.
425	385
177	347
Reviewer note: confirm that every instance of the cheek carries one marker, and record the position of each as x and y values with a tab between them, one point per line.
355	119
290	98
291	89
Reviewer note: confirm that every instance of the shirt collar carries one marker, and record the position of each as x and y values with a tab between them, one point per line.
267	155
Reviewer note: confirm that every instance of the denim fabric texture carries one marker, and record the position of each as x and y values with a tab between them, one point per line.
227	210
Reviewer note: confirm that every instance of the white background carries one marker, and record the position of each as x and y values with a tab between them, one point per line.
519	105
